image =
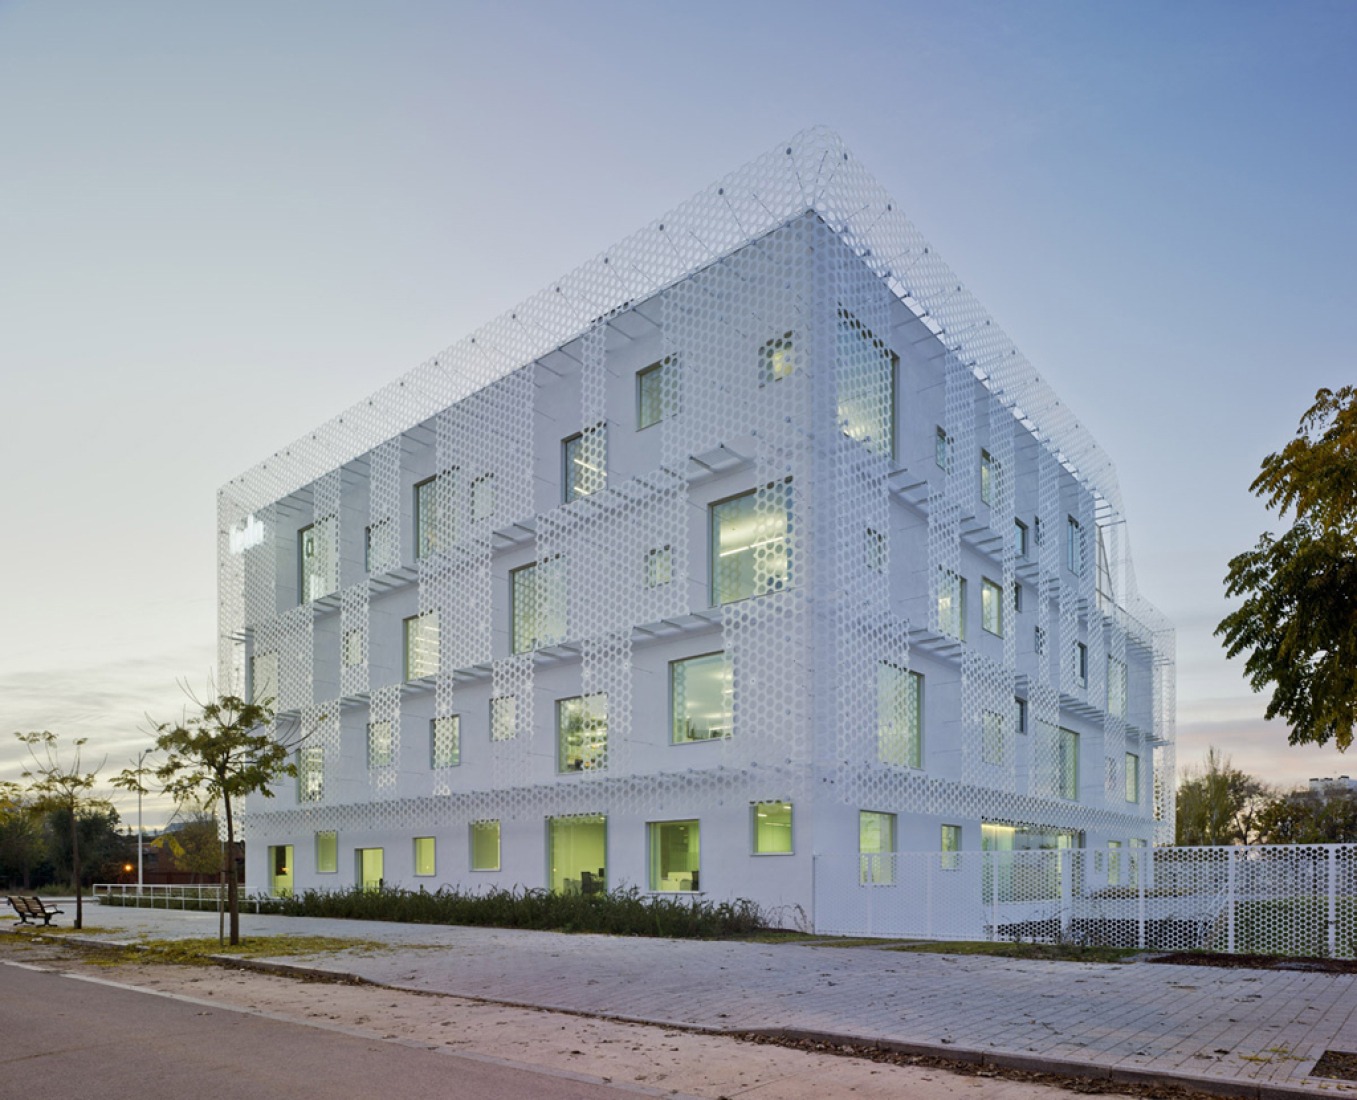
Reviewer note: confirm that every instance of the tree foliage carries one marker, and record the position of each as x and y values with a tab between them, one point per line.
1298	621
1310	817
1217	803
21	838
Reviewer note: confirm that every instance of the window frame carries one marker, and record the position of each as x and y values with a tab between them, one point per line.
1132	781
991	607
570	491
451	759
426	548
728	676
321	861
872	869
771	583
777	350
594	763
471	840
412	644
886	726
417	856
989	472
656	371
381	758
754	846
655	866
950	841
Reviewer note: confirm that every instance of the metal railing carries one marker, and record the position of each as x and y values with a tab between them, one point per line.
203	896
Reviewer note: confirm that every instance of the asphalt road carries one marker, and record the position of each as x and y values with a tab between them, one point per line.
64	1037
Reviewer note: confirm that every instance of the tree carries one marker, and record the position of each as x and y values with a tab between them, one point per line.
62	786
20	836
193	845
1310	817
1217	804
1298	622
219	755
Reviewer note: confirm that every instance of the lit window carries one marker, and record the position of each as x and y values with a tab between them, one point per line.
445	741
584	463
353	648
1132	777
311	773
582	733
700	692
659	566
317	563
675	848
991	606
1081	664
381	745
1020	714
951	847
866	381
327	852
424	855
750	552
1067	765
485	845
1074	545
577	848
1020	543
989	477
992	737
656	393
876	848
777	360
503	718
281	868
421	645
952	605
876	551
483	497
772	828
537	594
433	522
1116	687
942	450
899	716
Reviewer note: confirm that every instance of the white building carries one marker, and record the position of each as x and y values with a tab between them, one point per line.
750	549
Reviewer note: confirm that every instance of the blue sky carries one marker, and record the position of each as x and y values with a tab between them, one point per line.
222	224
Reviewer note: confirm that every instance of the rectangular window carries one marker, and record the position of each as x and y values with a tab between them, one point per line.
379	547
483	497
1017	596
582	733
424	856
503	718
578	852
381	745
772	828
1074	545
1039	641
368	865
445	741
1020	714
327	852
584	463
952	605
992	737
951	847
1116	687
421	646
537	598
675	848
876	848
700	697
317	561
281	870
264	678
427	527
311	773
353	648
750	536
1020	543
777	359
1081	664
659	566
656	393
899	716
991	606
1114	863
989	473
1132	777
1067	766
866	383
876	551
942	450
485	845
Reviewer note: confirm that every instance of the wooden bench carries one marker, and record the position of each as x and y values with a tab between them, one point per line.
30	908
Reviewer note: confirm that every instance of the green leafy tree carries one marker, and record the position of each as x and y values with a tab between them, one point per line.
21	840
221	751
60	784
1217	803
194	846
1310	817
1298	621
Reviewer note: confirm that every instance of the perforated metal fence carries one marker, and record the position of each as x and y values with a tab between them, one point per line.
1264	899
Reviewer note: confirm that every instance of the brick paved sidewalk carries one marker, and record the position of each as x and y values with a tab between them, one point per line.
1244	1032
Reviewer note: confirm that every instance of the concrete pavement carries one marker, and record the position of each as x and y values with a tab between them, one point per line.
1229	1031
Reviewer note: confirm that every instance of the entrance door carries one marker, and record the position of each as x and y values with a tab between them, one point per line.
280	870
368	868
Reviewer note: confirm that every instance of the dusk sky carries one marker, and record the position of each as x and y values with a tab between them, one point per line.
222	224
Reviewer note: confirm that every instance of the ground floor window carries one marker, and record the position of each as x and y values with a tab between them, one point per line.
951	847
1114	863
1010	874
485	845
772	828
424	855
578	853
674	856
876	848
368	868
327	852
280	870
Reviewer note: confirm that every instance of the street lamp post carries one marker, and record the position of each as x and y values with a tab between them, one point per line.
141	759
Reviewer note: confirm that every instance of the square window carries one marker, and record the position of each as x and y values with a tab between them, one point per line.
992	737
989	474
582	733
675	849
656	393
311	773
700	698
876	848
1074	545
584	463
445	741
659	566
866	372
483	498
424	856
991	607
381	745
772	828
1020	542
537	596
1132	777
503	718
1067	765
353	648
421	645
876	551
899	716
952	605
485	845
777	359
1020	714
750	544
327	852
951	847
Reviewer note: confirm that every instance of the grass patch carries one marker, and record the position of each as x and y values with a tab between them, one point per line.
201	952
1047	952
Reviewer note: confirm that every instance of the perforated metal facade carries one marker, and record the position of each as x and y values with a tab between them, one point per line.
770	429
